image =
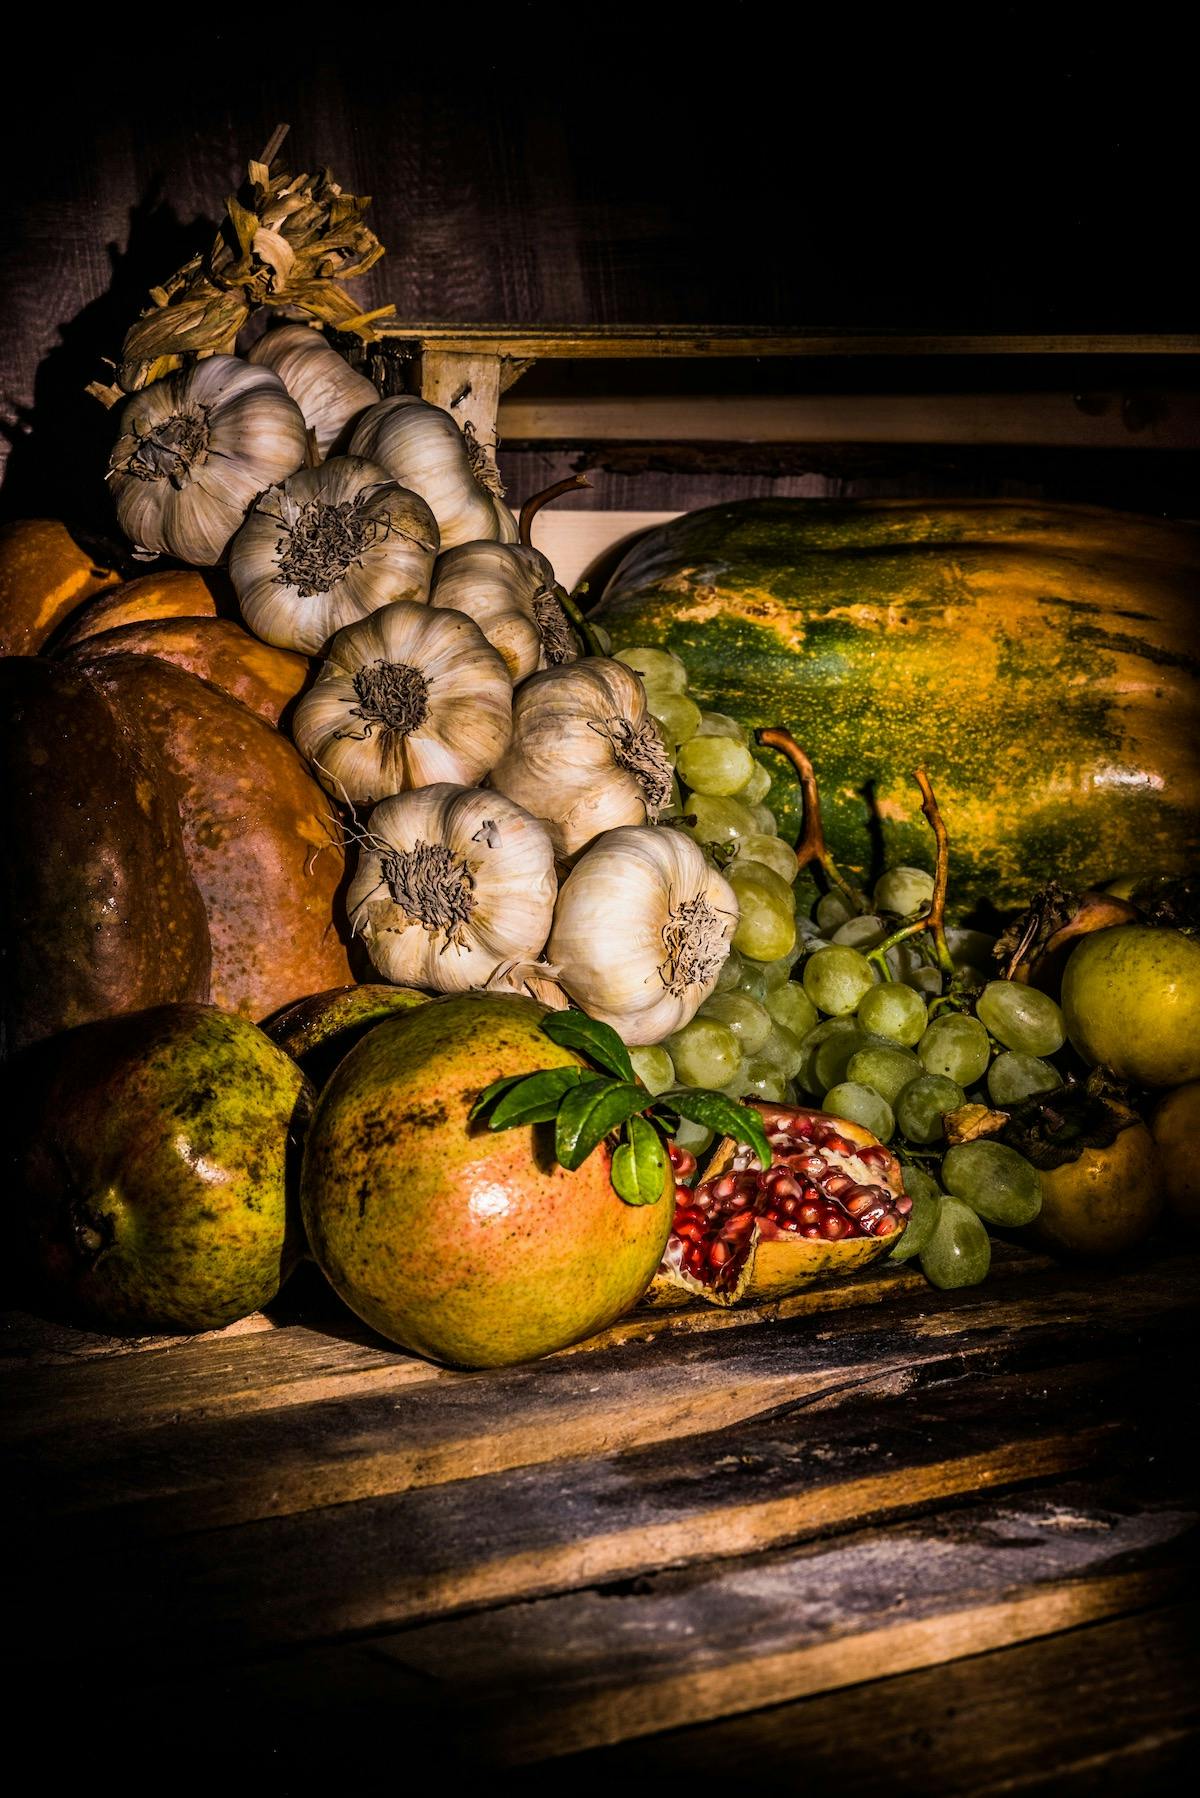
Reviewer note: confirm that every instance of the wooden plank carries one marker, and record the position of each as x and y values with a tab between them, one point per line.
571	1673
207	1472
1043	420
519	1535
634	341
1108	1706
574	540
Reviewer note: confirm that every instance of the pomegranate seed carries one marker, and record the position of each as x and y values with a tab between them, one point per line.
722	1188
810	1214
810	1230
885	1226
833	1226
718	1254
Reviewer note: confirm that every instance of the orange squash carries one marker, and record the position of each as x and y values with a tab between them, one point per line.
266	680
175	593
44	576
263	849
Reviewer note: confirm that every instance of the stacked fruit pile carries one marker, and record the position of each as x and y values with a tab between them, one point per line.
384	742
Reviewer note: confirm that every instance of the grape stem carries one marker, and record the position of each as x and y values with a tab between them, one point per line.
812	846
583	629
534	504
934	920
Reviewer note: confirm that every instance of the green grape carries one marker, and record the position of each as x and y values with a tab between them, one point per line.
767	926
893	1010
784	1050
1013	1077
994	1181
832	1059
861	933
654	1068
676	714
1021	1017
955	1046
765	821
833	909
922	1221
772	852
973	946
716	766
718	821
862	1106
921	1105
836	978
885	1069
918	1183
720	724
749	1021
778	972
658	667
705	1053
903	890
807	1073
791	1006
766	1081
731	973
959	1250
695	1138
754	979
757	787
926	981
739	1087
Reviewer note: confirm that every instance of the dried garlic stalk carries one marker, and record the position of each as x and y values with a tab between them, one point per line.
286	241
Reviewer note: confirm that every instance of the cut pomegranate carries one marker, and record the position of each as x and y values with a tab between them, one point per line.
832	1200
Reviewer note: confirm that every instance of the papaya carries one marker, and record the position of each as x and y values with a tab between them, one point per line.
101	914
263	849
1039	660
44	575
267	680
175	593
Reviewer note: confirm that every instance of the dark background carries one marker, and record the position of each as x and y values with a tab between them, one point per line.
1003	169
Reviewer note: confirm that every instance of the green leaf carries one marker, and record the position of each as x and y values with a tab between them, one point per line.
493	1092
716	1112
639	1165
587	1114
536	1098
599	1042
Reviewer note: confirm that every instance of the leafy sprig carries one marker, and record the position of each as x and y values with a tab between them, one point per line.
586	1107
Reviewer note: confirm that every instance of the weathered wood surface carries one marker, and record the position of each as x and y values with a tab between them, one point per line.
700	1539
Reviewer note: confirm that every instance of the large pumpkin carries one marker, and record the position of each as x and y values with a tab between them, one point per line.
1040	661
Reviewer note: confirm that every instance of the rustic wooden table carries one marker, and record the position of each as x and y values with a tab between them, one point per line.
873	1539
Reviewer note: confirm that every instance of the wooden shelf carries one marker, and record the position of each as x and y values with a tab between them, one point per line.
310	1539
633	342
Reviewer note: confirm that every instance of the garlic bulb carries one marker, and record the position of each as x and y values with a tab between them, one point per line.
195	452
423	448
327	390
509	530
585	753
406	697
510	593
453	884
641	931
328	547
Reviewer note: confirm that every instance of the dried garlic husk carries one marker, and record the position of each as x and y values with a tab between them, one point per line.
585	753
196	450
641	931
509	590
406	697
423	448
327	390
453	884
328	547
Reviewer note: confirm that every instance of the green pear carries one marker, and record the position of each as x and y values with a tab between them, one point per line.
153	1162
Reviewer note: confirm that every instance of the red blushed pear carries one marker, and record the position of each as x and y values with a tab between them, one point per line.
470	1247
152	1161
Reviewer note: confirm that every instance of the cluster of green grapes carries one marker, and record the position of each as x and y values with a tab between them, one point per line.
801	1015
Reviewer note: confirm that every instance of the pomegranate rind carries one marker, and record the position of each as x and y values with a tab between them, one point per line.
778	1265
472	1247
